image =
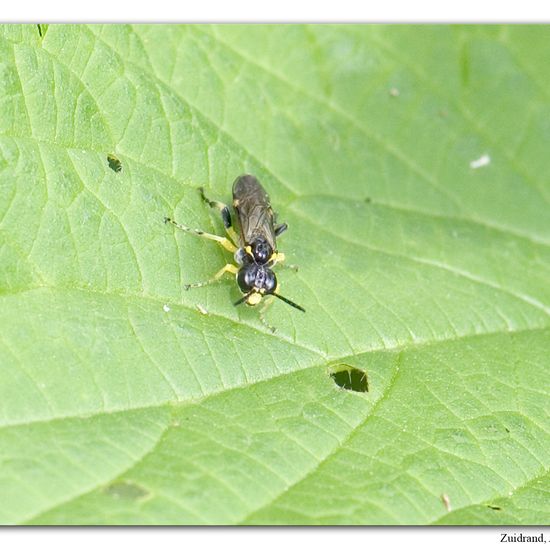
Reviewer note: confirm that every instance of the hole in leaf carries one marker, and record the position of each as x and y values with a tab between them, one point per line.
114	163
350	378
126	490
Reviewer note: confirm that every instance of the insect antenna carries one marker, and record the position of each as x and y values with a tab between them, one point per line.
289	302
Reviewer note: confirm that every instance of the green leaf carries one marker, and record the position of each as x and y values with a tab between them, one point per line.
410	164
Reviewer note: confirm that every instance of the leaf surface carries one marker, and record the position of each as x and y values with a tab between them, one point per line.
125	399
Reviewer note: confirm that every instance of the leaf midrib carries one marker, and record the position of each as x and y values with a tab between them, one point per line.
324	362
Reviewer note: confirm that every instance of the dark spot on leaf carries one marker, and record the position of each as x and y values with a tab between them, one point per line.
493	507
350	378
42	30
126	490
368	200
114	163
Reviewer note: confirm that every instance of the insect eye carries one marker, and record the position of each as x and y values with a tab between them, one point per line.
247	277
270	283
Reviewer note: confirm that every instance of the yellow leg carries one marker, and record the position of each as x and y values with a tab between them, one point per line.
227	268
225	214
233	235
280	258
223	241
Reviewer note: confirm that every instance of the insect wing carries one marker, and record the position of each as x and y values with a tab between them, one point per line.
253	210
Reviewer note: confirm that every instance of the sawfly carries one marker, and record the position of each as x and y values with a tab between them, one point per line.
254	247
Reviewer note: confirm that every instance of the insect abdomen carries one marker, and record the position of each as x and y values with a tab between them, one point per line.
248	187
